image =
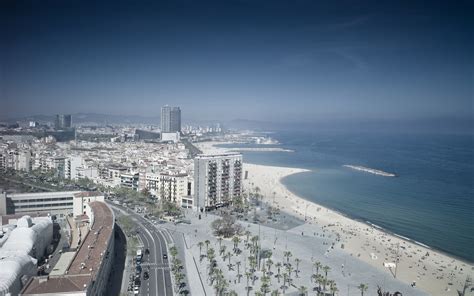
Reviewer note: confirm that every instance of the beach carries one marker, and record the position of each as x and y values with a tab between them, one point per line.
432	271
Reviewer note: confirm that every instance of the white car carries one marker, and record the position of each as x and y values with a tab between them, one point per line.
136	290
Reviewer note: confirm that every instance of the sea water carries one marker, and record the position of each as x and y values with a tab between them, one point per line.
431	199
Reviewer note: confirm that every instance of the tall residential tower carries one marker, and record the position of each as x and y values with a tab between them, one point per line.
170	119
63	121
217	179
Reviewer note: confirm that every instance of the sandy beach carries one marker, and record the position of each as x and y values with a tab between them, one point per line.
433	271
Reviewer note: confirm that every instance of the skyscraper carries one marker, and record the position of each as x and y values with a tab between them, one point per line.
170	119
63	121
217	179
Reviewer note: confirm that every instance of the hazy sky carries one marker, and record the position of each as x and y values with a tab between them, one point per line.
270	60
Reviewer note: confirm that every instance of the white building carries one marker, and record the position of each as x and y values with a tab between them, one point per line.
73	163
217	179
170	137
56	203
169	186
130	180
82	199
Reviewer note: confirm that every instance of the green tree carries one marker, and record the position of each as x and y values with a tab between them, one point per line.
326	269
317	265
363	287
200	244
297	260
302	290
287	255
236	241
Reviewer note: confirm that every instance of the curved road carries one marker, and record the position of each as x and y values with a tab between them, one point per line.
159	282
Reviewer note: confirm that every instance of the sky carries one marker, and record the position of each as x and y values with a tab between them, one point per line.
284	61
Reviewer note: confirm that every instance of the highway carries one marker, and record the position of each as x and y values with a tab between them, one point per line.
159	282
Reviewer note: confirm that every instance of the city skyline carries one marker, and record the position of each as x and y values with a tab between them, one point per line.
288	61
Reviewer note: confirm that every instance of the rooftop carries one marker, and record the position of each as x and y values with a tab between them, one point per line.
87	260
218	155
88	194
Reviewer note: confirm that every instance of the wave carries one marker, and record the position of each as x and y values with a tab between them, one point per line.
369	170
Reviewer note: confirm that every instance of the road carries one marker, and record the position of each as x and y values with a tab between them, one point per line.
159	282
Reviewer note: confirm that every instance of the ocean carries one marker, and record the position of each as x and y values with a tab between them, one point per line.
430	201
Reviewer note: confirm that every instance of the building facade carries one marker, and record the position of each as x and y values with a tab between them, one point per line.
56	203
130	180
63	121
217	179
169	187
170	119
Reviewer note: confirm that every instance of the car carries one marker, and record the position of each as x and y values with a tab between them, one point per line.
165	256
136	290
147	251
146	275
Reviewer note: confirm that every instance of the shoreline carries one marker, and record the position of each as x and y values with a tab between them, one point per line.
370	224
433	270
428	283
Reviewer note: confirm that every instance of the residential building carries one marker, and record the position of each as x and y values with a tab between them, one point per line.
170	119
170	186
130	180
63	121
217	179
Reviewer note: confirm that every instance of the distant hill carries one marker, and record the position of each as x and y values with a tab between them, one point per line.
92	118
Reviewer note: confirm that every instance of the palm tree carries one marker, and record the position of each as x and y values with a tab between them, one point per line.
238	263
248	287
302	290
319	280
278	266
287	254
232	293
265	288
211	254
326	269
247	234
248	275
297	260
252	263
284	287
229	254
236	241
363	288
178	278
254	240
173	251
334	289
317	265
269	264
275	293
222	250
324	281
200	244
289	269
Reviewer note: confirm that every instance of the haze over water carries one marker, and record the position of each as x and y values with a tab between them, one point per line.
430	200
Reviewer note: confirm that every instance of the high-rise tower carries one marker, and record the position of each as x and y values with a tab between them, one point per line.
170	119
